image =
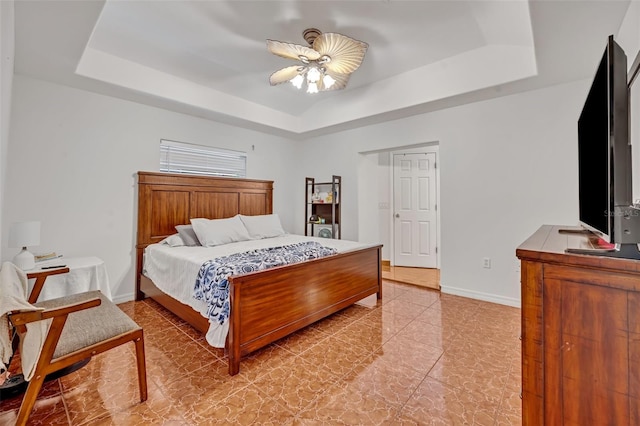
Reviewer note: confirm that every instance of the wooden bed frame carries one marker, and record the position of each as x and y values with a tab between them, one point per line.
265	305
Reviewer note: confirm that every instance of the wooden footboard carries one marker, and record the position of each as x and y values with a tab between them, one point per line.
271	304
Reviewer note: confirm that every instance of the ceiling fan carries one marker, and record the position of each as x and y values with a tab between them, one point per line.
327	63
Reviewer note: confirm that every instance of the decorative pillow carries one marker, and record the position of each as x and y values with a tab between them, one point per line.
263	226
173	241
214	232
188	235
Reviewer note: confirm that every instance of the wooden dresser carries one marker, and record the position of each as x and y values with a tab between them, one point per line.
580	334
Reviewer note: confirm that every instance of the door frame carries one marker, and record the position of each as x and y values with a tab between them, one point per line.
435	148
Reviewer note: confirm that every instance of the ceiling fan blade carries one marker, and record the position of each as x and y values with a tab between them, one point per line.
345	52
284	75
291	51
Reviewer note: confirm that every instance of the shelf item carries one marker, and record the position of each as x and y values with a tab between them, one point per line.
322	208
325	233
46	256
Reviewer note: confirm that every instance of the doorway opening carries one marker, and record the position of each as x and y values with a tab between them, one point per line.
402	184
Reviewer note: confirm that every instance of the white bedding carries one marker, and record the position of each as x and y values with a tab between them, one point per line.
174	269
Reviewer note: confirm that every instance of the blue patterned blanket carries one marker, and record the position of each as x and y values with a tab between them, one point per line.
212	285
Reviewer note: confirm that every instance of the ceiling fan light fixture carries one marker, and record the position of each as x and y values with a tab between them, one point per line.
312	88
328	53
297	81
328	81
313	74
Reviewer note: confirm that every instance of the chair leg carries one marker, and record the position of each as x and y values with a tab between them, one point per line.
29	399
142	369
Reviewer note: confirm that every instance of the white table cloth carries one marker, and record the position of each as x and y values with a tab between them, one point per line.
85	274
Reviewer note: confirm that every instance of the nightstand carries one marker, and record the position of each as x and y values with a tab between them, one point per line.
77	274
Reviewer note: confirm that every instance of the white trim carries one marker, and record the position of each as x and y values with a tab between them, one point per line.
129	297
487	297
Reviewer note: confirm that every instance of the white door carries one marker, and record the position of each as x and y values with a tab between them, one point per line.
414	201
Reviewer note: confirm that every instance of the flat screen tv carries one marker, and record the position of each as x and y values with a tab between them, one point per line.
604	156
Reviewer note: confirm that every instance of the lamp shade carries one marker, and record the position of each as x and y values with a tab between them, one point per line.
23	234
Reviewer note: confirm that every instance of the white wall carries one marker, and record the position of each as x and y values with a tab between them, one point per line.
366	199
507	166
7	44
385	203
629	39
73	158
628	36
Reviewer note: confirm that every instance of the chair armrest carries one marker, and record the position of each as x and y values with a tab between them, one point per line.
21	318
40	277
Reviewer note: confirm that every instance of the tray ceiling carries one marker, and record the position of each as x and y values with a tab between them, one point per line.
209	58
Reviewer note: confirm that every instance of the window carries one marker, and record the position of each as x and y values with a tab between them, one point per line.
179	157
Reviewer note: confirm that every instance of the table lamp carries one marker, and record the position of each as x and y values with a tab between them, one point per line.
23	234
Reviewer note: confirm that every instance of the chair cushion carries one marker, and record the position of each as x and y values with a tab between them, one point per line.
89	326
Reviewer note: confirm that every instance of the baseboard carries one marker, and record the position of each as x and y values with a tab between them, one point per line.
487	297
386	263
124	298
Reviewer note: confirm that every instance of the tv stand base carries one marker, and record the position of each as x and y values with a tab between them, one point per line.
576	311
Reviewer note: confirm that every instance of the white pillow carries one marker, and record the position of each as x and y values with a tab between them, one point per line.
214	232
263	226
173	241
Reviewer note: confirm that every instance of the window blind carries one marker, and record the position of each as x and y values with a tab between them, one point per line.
180	157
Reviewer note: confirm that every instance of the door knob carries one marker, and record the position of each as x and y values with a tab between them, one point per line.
397	214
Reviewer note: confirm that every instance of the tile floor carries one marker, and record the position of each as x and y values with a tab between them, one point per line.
418	358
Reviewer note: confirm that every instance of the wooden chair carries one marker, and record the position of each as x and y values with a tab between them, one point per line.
82	325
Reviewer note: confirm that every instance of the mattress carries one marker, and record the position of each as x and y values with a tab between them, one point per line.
174	269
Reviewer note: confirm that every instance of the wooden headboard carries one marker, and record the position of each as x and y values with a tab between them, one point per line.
166	200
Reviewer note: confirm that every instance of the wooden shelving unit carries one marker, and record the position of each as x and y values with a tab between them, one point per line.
322	207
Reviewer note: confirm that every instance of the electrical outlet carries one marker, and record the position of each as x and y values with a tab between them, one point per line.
486	263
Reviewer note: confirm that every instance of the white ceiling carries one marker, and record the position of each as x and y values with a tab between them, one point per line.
209	58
